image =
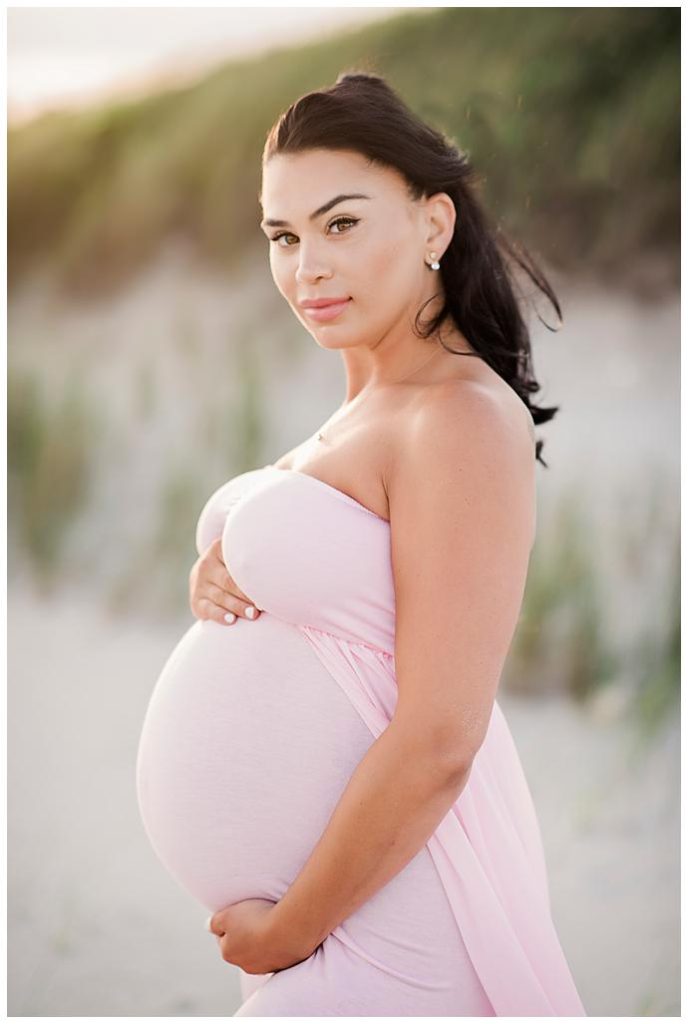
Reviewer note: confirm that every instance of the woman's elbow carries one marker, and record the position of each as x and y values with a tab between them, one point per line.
446	755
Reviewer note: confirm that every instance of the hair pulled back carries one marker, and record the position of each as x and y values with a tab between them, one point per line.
361	112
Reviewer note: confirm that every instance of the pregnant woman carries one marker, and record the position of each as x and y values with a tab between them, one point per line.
334	779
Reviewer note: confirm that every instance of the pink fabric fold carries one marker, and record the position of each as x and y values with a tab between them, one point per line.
488	850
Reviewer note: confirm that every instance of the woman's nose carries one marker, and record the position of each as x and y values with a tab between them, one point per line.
311	267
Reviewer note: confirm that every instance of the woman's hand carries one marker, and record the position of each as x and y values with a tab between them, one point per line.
213	594
247	937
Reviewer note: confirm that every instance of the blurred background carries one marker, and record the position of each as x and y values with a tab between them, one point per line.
151	358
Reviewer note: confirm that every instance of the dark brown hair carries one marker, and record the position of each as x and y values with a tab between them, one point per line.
361	112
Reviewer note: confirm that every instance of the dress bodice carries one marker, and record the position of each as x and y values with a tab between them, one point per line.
306	552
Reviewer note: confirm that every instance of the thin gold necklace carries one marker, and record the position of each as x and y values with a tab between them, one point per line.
405	377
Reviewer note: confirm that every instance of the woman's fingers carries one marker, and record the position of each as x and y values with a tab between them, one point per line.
207	609
230	602
219	613
217	573
210	601
213	592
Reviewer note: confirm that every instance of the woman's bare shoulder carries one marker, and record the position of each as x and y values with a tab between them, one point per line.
464	447
468	405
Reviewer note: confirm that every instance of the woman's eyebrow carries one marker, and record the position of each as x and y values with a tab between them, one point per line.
317	213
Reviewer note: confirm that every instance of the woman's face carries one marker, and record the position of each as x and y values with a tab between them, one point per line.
369	248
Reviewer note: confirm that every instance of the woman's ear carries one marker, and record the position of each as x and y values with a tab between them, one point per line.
440	214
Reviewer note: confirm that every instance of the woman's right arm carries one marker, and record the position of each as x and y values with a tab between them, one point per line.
213	594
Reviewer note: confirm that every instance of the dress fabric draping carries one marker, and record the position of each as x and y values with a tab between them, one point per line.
318	563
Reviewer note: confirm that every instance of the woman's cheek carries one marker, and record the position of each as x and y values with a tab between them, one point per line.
281	279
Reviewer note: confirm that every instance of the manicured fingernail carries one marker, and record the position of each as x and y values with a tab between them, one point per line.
230	617
207	923
251	612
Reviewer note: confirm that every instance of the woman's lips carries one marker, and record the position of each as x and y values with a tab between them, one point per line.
326	312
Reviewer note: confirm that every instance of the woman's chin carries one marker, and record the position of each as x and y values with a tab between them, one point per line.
333	340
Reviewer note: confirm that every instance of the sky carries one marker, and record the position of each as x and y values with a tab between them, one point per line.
62	57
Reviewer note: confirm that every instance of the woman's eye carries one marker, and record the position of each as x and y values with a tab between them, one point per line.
347	220
338	221
283	234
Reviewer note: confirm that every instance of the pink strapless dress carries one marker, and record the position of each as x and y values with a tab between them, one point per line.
252	733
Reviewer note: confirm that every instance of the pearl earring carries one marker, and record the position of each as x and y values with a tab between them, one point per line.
435	262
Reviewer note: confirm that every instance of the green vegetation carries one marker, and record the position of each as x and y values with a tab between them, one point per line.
563	643
658	685
571	115
249	417
155	577
561	640
50	444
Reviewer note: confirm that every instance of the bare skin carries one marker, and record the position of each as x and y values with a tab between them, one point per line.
383	254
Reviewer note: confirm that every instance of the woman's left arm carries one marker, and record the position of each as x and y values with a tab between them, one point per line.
462	509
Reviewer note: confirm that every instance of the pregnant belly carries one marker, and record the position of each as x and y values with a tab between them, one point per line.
246	747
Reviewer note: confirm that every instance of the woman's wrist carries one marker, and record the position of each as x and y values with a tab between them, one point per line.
289	942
